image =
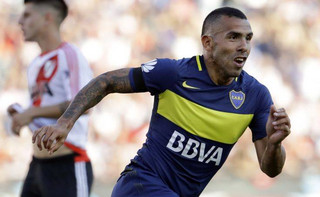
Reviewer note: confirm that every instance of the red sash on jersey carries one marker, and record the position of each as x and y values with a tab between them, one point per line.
46	73
82	153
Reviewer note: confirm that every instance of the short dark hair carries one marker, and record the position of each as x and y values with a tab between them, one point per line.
58	5
217	13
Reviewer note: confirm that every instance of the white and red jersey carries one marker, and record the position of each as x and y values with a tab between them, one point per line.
55	77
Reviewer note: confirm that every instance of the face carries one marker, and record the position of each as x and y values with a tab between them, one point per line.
31	22
230	46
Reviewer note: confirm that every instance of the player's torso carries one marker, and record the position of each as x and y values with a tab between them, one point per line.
45	80
196	104
195	125
56	77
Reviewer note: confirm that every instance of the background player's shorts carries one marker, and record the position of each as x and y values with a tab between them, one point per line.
138	182
58	177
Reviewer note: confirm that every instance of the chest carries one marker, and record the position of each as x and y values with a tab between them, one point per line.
234	98
44	71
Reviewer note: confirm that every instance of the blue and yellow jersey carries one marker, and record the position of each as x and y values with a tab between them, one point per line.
195	123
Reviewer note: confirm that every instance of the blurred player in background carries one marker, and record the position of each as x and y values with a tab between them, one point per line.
202	106
54	78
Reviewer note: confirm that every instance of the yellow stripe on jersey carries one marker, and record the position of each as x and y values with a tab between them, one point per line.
201	121
198	63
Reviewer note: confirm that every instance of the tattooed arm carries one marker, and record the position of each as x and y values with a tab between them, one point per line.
110	82
95	91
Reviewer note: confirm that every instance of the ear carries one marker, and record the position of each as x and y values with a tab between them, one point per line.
207	42
50	17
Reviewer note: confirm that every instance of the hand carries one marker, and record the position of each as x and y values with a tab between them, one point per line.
12	109
15	127
19	120
278	125
52	137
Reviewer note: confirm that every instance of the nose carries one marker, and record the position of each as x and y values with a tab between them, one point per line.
244	45
20	21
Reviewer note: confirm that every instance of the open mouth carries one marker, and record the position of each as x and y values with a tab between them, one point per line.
240	60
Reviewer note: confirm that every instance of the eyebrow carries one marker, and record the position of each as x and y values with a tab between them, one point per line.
238	33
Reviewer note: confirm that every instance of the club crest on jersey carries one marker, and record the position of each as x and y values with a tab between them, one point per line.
237	98
147	67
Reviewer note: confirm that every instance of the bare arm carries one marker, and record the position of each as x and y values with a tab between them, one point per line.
271	157
271	154
110	82
21	119
53	111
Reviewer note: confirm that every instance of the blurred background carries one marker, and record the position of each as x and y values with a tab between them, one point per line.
125	33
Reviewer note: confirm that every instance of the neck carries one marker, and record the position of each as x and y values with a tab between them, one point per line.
50	41
217	75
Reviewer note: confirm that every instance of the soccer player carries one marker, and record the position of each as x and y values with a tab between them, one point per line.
202	105
54	78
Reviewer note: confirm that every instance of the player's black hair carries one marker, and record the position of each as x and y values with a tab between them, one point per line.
58	5
217	13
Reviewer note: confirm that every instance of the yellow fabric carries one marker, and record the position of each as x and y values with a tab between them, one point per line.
198	63
201	121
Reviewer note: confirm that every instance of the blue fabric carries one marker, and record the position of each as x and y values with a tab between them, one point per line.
185	162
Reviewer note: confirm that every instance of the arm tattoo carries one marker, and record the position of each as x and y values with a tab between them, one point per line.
110	82
63	106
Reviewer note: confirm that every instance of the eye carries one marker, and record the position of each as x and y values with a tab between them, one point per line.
25	15
234	36
249	37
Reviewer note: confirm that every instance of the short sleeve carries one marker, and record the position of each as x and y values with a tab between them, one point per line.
159	75
76	70
258	124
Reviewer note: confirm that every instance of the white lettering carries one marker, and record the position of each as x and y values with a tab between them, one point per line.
218	154
173	139
191	149
188	146
202	149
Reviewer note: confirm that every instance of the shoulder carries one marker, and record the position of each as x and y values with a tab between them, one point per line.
68	48
169	61
256	90
165	67
162	73
251	82
160	64
72	55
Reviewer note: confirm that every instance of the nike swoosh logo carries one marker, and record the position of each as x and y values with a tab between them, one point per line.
184	84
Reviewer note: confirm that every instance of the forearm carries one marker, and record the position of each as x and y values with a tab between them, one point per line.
273	160
94	92
53	111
